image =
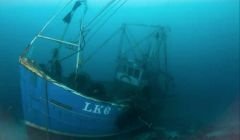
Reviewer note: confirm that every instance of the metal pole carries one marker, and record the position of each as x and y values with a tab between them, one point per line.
120	51
79	53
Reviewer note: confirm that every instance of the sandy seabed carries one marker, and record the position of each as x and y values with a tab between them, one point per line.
224	127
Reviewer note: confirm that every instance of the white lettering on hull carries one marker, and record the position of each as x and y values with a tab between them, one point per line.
96	109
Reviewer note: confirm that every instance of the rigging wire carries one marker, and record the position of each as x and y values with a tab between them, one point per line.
63	36
101	46
29	53
131	43
141	41
67	19
53	17
81	42
90	56
107	11
136	44
100	16
101	12
105	21
144	25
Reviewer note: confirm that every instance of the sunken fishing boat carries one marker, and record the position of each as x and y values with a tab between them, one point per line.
64	86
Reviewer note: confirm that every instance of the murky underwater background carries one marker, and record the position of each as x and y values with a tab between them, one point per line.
203	55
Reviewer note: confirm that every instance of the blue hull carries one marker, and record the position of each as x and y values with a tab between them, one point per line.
53	107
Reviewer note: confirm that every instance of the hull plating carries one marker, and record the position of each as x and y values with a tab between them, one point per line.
49	106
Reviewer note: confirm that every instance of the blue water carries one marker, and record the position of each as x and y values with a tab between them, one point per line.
203	51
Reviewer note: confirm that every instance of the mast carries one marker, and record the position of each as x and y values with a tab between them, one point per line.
81	39
120	49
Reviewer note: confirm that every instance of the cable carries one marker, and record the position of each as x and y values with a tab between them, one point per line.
102	45
53	17
99	14
111	5
107	11
103	23
105	42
